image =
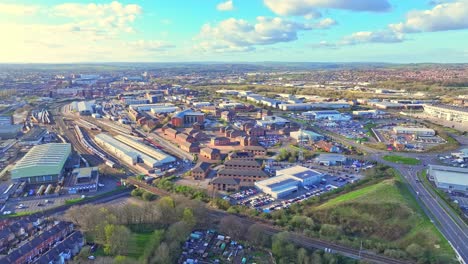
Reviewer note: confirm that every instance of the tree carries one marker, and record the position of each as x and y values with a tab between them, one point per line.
188	217
282	249
137	192
302	256
256	234
147	196
117	239
162	255
153	243
232	226
178	231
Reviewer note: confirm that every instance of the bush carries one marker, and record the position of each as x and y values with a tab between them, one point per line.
147	196
137	192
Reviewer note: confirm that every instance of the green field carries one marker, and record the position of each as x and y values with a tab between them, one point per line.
387	212
402	160
140	241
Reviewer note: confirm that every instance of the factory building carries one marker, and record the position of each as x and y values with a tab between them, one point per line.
164	109
6	120
310	106
134	152
449	178
43	163
417	131
446	112
331	159
85	108
288	181
162	158
148	107
84	180
273	120
329	115
305	136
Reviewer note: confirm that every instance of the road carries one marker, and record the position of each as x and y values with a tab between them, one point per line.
450	224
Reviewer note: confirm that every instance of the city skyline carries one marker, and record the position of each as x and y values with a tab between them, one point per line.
234	30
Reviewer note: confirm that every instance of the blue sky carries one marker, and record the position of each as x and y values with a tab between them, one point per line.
234	30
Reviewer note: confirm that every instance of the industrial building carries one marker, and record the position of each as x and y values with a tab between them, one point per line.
329	115
148	107
134	152
369	113
447	112
272	120
43	163
6	120
164	109
305	136
331	159
84	180
449	178
288	181
10	131
417	131
85	108
310	106
163	158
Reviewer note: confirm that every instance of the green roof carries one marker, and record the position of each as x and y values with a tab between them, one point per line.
47	159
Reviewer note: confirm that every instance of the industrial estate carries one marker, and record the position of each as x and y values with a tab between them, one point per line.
232	172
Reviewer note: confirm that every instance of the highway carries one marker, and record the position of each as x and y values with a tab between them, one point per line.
450	224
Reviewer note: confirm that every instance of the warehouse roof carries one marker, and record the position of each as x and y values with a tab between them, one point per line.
47	159
148	150
450	175
299	172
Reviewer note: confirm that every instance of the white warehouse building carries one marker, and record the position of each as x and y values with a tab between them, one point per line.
417	131
449	178
125	152
288	181
160	156
329	115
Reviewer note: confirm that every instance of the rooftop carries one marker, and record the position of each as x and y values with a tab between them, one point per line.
299	172
47	159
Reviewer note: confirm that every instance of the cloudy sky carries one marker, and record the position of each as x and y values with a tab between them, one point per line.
234	30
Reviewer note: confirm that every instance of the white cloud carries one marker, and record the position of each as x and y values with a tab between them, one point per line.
18	10
363	37
325	23
112	16
240	35
151	45
384	36
225	6
308	7
443	17
86	32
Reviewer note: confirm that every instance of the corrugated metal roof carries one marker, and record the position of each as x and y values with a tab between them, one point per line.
47	159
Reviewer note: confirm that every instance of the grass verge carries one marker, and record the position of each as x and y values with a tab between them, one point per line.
402	160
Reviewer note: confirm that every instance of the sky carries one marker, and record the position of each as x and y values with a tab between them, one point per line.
399	31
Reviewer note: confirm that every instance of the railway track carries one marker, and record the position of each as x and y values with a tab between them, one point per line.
298	239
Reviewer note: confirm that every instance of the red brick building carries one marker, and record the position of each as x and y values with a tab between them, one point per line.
220	141
190	147
187	118
210	153
201	171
